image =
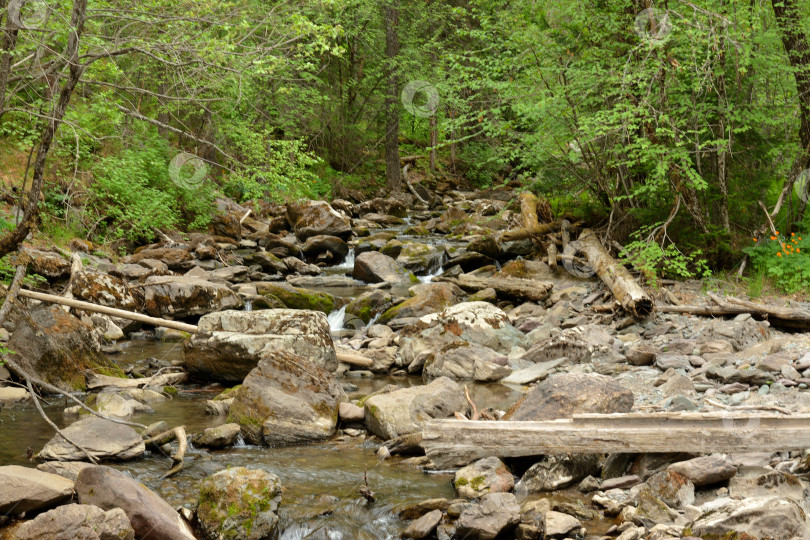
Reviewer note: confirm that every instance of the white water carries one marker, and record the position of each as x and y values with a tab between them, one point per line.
348	263
336	320
248	305
428	278
240	442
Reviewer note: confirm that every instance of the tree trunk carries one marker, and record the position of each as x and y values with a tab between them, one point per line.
789	20
434	141
7	44
392	172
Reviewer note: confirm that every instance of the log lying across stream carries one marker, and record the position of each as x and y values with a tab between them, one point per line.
785	317
455	443
509	287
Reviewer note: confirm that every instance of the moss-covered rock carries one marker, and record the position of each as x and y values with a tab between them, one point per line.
239	503
488	475
369	304
296	298
430	298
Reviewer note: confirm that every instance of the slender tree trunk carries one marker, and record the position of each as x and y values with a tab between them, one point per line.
434	141
12	239
7	44
789	20
392	171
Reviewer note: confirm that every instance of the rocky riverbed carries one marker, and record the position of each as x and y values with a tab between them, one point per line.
328	336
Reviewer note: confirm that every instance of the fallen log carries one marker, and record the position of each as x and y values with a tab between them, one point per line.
178	434
516	288
630	295
87	306
454	443
534	232
353	359
163	379
778	316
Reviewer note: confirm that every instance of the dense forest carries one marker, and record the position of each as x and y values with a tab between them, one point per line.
672	127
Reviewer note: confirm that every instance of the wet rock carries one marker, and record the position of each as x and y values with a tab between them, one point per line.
417	510
314	218
102	289
369	304
424	526
706	470
559	525
110	404
286	399
421	258
488	475
322	244
471	362
561	396
102	438
174	258
428	298
239	503
230	343
219	437
557	471
295	298
496	514
65	469
218	407
374	267
349	412
179	296
24	489
383	358
77	521
57	347
761	517
297	266
267	261
13	395
47	264
151	517
485	245
405	410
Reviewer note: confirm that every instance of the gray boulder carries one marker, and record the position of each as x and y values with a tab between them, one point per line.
175	297
219	437
487	475
239	503
103	439
496	514
77	521
230	344
406	410
151	517
374	267
705	470
467	362
23	489
314	218
102	289
557	471
286	399
760	517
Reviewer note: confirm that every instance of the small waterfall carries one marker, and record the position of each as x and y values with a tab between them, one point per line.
373	320
428	278
248	305
336	320
240	442
348	263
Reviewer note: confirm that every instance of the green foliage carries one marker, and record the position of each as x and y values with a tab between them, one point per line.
663	260
784	260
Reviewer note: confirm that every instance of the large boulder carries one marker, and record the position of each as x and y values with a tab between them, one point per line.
23	489
421	258
469	322
102	289
759	517
325	248
487	475
174	258
268	262
741	333
286	399
150	516
317	217
296	298
229	344
77	521
461	361
103	439
562	396
557	471
239	503
427	298
369	304
496	514
406	410
175	297
47	264
55	346
374	267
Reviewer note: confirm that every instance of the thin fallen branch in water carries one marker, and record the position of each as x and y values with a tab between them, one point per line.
178	434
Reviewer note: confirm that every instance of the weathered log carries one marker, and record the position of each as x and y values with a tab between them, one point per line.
630	295
551	251
162	379
516	288
178	434
87	306
528	210
777	316
536	232
409	444
453	443
353	359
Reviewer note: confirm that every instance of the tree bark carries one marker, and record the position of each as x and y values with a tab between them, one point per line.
392	172
7	44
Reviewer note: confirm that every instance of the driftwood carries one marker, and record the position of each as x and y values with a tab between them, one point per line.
517	288
535	232
178	434
629	294
777	316
409	186
454	443
528	210
353	359
96	380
